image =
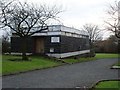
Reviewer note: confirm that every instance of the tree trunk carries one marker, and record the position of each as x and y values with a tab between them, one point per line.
24	48
92	52
118	48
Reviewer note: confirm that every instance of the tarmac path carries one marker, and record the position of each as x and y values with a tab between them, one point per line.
83	74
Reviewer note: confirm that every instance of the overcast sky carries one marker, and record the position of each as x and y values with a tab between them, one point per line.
79	12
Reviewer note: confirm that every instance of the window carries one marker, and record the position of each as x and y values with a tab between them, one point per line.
55	39
51	49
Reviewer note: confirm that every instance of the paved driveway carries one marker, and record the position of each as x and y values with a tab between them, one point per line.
66	76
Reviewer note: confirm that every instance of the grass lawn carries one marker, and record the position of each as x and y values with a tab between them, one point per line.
105	55
98	56
37	62
108	84
72	60
11	67
0	65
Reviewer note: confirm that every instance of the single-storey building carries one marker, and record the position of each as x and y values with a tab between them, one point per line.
58	41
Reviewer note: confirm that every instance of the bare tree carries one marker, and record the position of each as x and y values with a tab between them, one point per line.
25	20
112	22
6	43
94	34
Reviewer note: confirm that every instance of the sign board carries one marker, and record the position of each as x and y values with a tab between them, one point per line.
55	39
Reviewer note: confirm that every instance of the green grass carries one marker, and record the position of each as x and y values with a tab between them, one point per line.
0	64
11	67
98	56
72	60
108	84
105	55
37	62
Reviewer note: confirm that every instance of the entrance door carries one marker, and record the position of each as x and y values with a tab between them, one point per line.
40	45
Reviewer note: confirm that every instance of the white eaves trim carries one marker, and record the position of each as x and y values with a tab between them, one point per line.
59	33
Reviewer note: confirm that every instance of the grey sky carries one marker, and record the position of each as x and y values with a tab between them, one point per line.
79	12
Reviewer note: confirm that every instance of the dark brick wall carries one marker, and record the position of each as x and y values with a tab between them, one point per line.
16	44
67	44
71	44
49	45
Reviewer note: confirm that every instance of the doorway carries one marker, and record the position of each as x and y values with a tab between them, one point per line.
39	45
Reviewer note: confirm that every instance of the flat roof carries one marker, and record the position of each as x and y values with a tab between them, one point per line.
60	29
66	29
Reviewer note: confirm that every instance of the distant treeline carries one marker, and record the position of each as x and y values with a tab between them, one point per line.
107	46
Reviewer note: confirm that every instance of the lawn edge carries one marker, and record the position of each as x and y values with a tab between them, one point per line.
10	74
89	61
99	81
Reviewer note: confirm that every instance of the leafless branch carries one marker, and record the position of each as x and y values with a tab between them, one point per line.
23	18
93	31
112	21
